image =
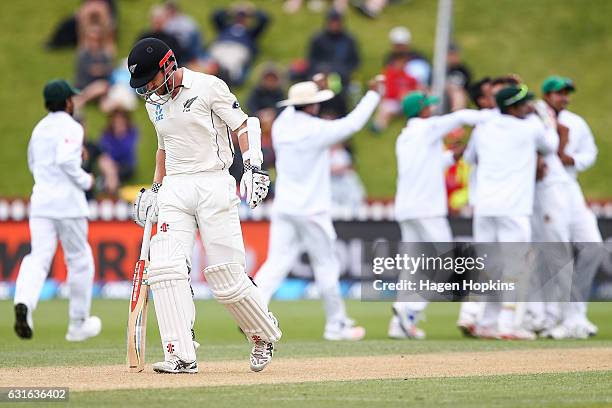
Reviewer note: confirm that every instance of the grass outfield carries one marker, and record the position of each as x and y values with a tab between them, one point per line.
302	324
533	38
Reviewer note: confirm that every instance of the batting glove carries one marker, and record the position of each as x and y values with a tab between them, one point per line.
254	185
146	205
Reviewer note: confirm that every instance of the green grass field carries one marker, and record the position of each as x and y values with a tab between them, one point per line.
532	38
302	324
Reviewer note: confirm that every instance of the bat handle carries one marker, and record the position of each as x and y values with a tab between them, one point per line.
146	239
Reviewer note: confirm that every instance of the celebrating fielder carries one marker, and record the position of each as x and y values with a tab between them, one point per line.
195	116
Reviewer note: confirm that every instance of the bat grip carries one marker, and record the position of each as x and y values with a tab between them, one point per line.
146	239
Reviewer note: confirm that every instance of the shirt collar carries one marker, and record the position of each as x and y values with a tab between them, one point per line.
187	78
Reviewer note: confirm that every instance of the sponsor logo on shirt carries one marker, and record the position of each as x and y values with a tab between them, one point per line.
235	105
188	103
159	113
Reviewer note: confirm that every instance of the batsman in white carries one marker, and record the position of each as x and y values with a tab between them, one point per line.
58	209
195	116
420	201
301	217
504	148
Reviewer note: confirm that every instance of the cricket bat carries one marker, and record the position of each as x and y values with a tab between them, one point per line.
137	321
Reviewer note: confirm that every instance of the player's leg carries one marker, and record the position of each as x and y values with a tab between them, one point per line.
319	239
408	311
33	272
283	251
168	275
515	234
217	216
80	265
485	231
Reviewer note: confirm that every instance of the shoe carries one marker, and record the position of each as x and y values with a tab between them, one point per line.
345	331
562	332
403	325
591	328
90	327
176	366
467	327
262	351
23	321
516	334
485	332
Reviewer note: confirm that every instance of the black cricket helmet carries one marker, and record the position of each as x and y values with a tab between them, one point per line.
147	58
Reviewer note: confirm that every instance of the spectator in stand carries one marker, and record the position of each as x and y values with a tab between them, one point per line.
417	65
118	141
398	83
98	12
158	19
94	66
370	8
239	28
268	92
293	6
458	78
334	51
185	30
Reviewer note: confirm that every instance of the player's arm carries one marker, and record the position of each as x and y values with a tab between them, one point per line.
586	152
444	124
68	157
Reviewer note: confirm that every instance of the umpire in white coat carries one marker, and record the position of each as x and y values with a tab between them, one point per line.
58	209
301	218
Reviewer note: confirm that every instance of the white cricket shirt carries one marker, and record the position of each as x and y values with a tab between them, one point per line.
194	128
302	146
505	176
421	162
54	159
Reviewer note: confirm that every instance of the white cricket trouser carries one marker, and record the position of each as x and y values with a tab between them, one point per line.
430	229
44	232
562	215
291	235
500	229
206	201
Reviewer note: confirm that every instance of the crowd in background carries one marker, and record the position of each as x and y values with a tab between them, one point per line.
331	59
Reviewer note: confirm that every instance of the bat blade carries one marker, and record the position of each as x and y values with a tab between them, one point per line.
137	322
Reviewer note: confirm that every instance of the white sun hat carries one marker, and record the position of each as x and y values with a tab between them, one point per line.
400	35
305	93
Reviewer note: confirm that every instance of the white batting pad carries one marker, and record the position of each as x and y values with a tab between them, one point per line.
232	287
174	307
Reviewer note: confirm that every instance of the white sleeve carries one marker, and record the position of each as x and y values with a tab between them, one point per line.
225	105
441	125
331	132
68	157
586	152
469	155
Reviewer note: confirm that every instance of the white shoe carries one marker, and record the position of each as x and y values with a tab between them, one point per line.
466	326
516	334
176	366
90	327
561	332
403	326
344	331
485	332
591	328
262	352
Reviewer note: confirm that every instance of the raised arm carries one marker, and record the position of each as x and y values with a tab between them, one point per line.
444	124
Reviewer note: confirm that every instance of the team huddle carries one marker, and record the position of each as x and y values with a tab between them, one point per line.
523	188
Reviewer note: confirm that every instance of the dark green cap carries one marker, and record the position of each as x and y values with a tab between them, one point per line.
512	95
58	90
556	83
414	102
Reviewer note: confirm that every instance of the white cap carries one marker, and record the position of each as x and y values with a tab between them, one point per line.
400	35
